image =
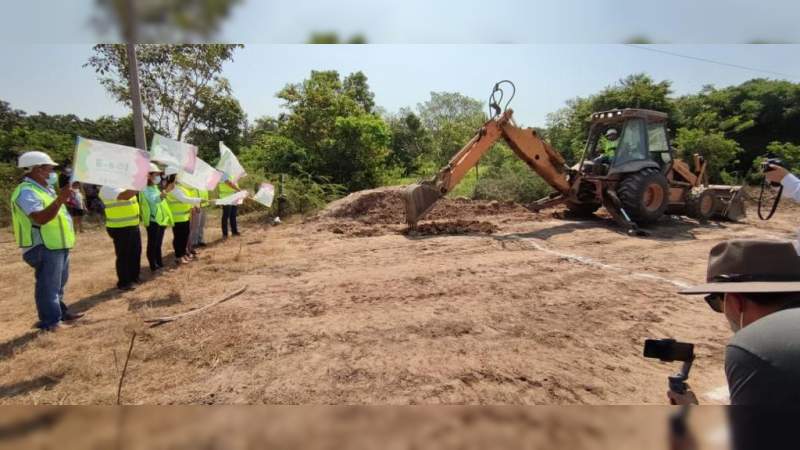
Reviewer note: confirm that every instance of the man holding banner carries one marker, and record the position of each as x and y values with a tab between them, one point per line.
122	224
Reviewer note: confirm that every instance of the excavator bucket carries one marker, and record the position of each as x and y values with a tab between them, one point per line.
419	199
729	202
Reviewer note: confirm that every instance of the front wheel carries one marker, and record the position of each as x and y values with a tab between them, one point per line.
644	195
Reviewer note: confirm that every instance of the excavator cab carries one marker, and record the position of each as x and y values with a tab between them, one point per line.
642	142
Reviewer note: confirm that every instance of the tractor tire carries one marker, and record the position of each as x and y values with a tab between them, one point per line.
582	209
644	195
701	205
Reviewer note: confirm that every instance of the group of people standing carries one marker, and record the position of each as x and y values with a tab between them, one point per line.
44	229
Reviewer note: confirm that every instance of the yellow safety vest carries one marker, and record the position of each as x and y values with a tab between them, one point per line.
163	215
181	212
204	196
225	190
121	213
56	234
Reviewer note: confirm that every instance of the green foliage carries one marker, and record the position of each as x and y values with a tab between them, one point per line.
334	135
411	141
568	128
332	37
180	84
10	176
754	114
714	147
273	153
166	20
221	119
505	177
452	120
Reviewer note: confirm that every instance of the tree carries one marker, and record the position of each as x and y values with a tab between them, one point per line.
222	119
714	147
754	113
410	140
332	37
166	20
452	120
176	81
331	120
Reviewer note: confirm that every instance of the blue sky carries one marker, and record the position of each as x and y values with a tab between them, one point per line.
446	21
51	78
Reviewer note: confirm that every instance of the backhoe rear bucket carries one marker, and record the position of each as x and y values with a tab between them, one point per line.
729	202
419	199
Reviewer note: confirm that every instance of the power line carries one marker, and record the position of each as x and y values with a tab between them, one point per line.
711	61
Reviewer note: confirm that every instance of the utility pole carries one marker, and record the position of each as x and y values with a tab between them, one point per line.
129	31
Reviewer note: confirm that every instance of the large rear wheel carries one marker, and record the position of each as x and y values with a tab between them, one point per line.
700	205
644	195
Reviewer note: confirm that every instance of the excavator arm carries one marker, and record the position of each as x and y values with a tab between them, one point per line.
526	144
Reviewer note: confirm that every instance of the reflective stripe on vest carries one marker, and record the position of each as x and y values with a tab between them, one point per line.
122	213
57	234
181	212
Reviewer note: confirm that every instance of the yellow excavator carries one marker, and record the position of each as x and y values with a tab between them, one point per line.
641	182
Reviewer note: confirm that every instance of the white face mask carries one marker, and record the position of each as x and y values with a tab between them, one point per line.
157	179
52	179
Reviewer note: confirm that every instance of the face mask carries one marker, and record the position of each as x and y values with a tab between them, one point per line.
157	179
52	179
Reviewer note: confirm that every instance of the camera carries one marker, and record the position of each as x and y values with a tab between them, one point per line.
669	350
772	162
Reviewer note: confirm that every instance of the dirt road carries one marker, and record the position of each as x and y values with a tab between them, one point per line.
351	308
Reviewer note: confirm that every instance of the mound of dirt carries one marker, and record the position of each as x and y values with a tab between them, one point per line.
384	206
374	206
452	227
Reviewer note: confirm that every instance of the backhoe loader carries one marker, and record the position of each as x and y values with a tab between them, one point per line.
642	182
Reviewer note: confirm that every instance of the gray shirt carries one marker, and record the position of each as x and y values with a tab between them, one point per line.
762	361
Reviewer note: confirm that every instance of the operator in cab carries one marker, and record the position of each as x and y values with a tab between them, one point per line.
608	146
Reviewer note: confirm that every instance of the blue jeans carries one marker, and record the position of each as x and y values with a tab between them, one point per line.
52	271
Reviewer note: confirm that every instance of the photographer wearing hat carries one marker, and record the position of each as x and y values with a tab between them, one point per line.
756	285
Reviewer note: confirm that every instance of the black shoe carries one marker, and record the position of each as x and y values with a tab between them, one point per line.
237	234
125	287
70	316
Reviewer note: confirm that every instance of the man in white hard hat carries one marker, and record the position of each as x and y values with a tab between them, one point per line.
43	229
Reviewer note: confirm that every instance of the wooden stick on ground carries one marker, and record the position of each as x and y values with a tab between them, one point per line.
161	320
124	369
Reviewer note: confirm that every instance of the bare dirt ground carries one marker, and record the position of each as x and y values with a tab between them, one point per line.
354	427
487	303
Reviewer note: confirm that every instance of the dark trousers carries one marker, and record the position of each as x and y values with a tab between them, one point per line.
180	238
229	215
128	247
155	237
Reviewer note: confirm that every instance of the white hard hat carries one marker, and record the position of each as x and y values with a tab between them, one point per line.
154	168
35	158
171	170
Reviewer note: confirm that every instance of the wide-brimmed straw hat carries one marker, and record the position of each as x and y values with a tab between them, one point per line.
751	266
